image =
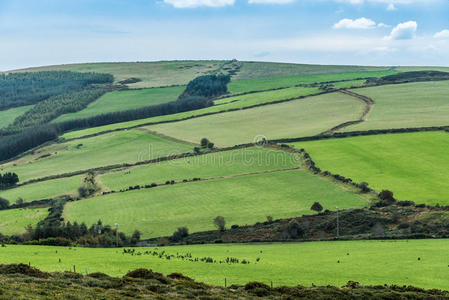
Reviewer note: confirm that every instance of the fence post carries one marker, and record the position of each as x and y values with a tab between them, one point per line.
74	269
226	282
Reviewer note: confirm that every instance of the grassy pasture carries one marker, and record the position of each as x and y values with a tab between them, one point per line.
241	200
113	148
125	100
227	163
8	116
413	165
406	105
368	262
243	86
305	117
14	221
152	74
221	105
43	190
256	70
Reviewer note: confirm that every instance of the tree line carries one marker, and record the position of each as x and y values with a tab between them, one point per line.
207	86
13	145
19	89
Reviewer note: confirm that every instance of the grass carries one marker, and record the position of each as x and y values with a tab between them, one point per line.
8	116
221	105
43	190
152	74
241	200
125	100
113	148
406	105
305	117
227	163
14	221
255	70
243	86
412	165
368	262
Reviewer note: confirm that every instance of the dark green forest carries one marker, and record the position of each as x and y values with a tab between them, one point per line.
18	89
208	86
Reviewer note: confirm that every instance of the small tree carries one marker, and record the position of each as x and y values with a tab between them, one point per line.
204	142
364	187
179	234
269	219
135	237
196	150
220	223
19	201
4	204
210	145
317	207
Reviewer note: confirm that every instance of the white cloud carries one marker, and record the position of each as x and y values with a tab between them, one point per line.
361	23
404	31
197	3
270	1
390	2
391	7
383	25
444	34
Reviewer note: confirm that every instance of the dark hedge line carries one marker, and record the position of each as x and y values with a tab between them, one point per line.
13	145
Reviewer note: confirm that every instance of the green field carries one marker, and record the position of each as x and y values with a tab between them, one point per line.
243	86
43	190
125	100
305	117
108	149
256	70
226	163
8	116
241	200
368	262
419	104
412	165
14	221
230	103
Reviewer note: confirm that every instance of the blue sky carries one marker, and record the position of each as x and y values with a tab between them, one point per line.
364	32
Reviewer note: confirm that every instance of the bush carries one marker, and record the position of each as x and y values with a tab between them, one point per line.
220	223
179	234
317	207
386	195
4	204
269	219
204	142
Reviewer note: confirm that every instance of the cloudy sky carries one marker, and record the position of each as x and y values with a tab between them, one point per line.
364	32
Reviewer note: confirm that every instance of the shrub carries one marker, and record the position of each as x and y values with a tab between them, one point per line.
19	201
210	145
317	207
364	187
269	219
204	142
4	204
386	195
220	223
179	234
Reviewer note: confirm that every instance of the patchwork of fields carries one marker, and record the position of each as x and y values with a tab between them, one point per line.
299	118
108	149
241	200
412	165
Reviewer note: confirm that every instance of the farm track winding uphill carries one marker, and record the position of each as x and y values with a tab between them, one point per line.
369	103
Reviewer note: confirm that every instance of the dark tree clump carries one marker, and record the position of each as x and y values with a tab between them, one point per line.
220	223
8	180
317	207
207	86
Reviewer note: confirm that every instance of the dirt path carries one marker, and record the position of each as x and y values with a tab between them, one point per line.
368	102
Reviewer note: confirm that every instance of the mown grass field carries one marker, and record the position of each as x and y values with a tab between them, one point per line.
221	105
14	221
125	100
406	105
152	74
256	70
128	146
412	165
226	163
241	200
304	117
43	190
368	262
243	86
8	116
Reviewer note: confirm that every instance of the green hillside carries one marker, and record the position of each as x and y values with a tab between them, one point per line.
411	165
14	221
8	116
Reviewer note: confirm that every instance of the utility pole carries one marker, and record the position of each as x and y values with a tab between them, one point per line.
116	234
338	224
